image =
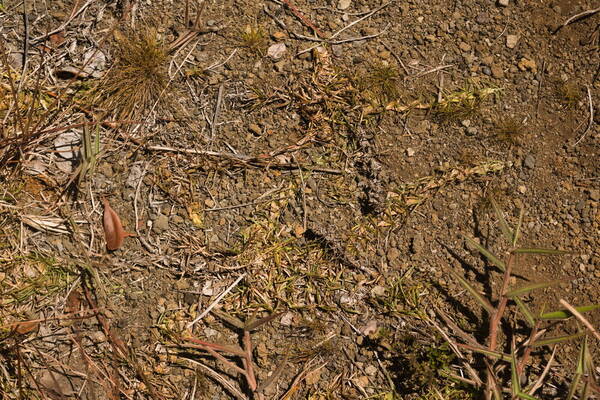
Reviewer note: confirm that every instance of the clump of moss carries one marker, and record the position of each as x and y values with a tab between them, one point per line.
254	38
139	76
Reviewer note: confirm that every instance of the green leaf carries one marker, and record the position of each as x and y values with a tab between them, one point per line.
526	312
539	251
529	288
486	253
478	297
503	224
564	314
556	339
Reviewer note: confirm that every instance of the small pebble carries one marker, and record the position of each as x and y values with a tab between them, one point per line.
529	161
503	3
511	41
344	4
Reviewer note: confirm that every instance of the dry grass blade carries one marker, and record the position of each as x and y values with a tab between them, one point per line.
252	325
581	318
540	380
482	350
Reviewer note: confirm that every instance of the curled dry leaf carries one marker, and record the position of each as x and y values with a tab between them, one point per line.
113	229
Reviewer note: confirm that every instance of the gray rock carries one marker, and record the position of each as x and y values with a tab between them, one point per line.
529	161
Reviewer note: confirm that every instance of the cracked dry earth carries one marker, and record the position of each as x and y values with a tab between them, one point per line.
324	172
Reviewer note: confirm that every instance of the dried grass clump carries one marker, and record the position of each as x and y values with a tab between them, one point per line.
511	130
139	76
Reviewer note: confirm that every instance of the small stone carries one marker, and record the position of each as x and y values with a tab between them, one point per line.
529	161
595	194
254	128
497	71
503	3
410	152
378	291
361	381
279	35
66	144
344	4
393	254
511	41
465	47
527	64
280	66
522	189
286	319
417	244
487	60
276	51
371	370
472	131
369	328
466	123
486	70
161	224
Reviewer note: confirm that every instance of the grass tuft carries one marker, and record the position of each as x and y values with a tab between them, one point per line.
568	93
511	130
138	78
254	38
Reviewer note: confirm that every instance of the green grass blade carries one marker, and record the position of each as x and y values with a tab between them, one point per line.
515	384
526	312
564	314
478	297
526	289
486	253
486	352
508	234
518	228
539	251
524	395
556	339
579	369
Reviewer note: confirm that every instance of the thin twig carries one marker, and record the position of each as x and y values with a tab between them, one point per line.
591	120
540	380
576	17
302	18
213	125
360	19
217	300
216	376
65	24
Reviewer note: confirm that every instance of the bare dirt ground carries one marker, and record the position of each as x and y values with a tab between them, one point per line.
298	176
